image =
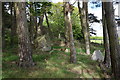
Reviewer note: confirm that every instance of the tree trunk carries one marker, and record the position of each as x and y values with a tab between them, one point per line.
40	30
36	27
67	40
32	25
107	60
41	24
25	51
80	15
113	39
69	24
49	29
1	38
36	24
0	30
13	27
84	23
3	27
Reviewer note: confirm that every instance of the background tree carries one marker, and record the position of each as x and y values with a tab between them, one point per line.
67	39
56	20
3	28
33	22
13	25
84	23
67	10
92	19
77	29
45	10
9	36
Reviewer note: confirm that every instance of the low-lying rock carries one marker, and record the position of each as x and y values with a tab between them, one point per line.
43	43
97	56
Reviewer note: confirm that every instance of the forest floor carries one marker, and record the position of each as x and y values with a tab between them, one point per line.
53	64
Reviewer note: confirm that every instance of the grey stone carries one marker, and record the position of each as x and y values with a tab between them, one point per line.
97	56
43	43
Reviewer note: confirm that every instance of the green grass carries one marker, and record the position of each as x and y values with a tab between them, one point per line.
96	37
97	41
54	65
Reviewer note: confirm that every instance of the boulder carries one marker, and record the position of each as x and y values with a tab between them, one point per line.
97	56
43	43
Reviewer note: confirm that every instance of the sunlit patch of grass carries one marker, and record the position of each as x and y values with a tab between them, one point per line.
97	41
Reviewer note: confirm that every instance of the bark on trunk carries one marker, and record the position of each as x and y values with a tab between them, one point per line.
36	24
84	23
32	25
14	26
80	14
36	27
0	30
68	11
113	39
25	51
107	60
67	40
3	27
86	28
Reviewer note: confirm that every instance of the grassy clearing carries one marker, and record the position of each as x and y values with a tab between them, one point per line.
54	65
